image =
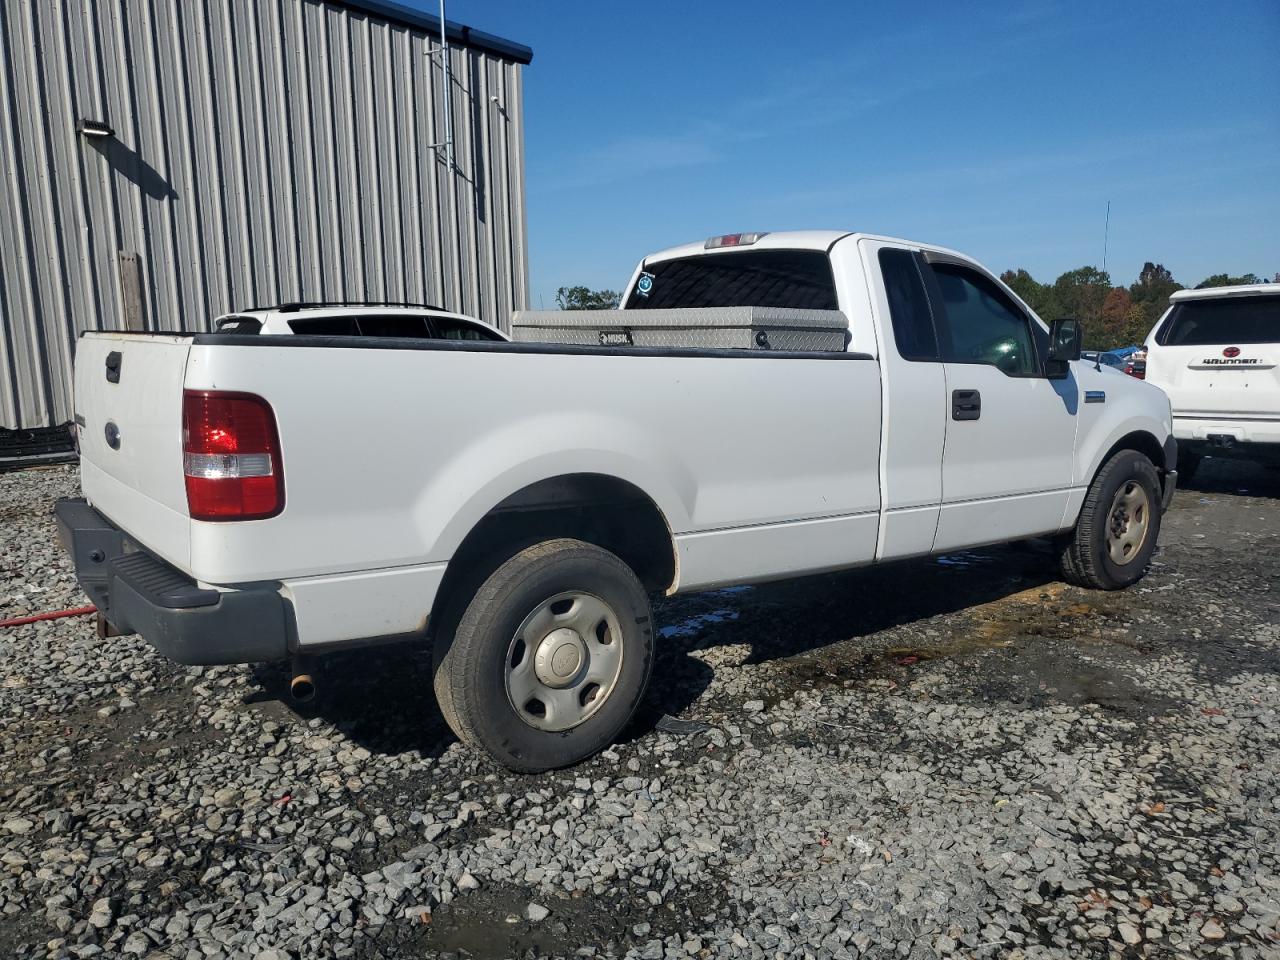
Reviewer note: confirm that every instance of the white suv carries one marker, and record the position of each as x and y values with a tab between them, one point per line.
348	319
1216	352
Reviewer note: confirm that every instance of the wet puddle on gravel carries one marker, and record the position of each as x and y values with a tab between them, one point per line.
490	923
1052	646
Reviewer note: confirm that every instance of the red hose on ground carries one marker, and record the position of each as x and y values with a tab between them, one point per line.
51	615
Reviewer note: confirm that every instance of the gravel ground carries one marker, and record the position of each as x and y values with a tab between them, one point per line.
957	757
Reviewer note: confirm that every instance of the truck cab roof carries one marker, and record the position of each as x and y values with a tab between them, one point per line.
787	240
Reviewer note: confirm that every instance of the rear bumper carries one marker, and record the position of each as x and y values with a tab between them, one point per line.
1225	431
139	593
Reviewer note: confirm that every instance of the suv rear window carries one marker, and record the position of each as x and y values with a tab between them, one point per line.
1225	320
796	279
239	325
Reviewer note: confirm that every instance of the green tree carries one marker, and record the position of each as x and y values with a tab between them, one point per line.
1023	284
1117	313
1152	290
1034	294
1081	293
583	298
1224	280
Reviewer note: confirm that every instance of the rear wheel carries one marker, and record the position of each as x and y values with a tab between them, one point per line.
550	658
1119	524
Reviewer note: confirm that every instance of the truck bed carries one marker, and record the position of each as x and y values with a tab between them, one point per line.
394	449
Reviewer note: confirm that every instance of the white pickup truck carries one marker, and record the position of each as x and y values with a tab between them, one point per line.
1216	353
253	498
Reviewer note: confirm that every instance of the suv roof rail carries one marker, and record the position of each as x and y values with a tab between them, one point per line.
296	306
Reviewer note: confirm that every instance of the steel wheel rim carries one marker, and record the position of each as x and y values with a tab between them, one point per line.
1128	522
564	661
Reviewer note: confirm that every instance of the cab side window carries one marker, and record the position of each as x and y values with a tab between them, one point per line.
982	324
908	305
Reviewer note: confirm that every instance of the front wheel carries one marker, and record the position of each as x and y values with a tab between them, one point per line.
1119	523
550	659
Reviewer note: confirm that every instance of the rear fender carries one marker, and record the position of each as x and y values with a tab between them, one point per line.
517	457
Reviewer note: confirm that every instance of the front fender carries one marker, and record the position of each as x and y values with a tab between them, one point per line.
1130	407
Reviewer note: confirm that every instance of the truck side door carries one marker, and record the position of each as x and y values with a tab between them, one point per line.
1010	432
913	398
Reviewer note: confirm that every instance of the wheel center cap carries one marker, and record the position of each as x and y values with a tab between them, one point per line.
559	657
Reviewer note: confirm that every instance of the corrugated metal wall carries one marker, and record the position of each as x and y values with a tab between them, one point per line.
263	152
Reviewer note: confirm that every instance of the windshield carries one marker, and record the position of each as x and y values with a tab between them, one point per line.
795	279
1226	320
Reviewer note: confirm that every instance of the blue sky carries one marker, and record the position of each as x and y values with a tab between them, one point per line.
999	129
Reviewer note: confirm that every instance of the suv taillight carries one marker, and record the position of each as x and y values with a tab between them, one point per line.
231	456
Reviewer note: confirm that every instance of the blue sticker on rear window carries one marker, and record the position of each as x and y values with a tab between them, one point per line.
645	284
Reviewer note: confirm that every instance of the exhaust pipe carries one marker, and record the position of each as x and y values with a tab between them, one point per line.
302	687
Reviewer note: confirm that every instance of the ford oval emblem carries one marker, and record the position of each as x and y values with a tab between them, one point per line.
113	435
1231	352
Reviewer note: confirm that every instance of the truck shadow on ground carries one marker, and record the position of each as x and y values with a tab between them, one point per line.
1240	477
789	619
382	698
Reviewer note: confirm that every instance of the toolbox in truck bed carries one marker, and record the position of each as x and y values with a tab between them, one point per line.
710	328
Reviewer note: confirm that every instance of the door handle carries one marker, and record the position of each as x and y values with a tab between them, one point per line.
113	366
966	405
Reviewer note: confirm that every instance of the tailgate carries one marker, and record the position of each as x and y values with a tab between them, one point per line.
128	398
1228	379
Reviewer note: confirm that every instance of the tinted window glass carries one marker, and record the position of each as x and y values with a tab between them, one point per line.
908	306
983	324
445	328
799	279
1228	320
393	326
325	326
239	325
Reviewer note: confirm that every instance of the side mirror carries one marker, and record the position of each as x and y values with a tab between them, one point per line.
1065	337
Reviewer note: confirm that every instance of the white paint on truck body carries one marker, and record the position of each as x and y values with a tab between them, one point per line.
763	465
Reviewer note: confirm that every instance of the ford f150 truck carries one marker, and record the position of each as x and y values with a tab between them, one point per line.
254	498
1216	353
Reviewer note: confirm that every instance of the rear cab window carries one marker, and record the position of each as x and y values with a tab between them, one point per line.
789	279
1222	321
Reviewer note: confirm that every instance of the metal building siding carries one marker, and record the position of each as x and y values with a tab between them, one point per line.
262	152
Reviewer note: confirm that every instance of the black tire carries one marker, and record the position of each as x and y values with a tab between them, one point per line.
1085	558
1188	464
471	664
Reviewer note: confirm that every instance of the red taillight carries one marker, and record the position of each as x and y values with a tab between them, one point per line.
231	456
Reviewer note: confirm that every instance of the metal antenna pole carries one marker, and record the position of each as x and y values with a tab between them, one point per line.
1106	231
448	148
